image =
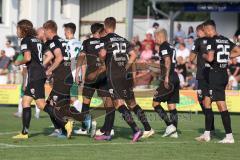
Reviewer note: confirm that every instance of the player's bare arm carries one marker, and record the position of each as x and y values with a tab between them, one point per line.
235	52
132	58
48	58
57	61
79	67
27	58
167	65
192	57
209	56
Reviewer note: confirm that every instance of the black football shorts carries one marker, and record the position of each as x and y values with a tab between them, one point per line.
169	95
35	89
218	80
100	85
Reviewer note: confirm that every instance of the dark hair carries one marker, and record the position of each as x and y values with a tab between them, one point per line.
97	27
110	22
26	28
199	27
50	24
70	26
183	44
155	24
209	23
190	30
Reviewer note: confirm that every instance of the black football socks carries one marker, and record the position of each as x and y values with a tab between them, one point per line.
226	121
26	118
162	114
127	116
142	117
85	109
109	120
208	119
174	117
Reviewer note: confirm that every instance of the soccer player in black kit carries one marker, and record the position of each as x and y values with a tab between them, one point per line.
119	56
203	67
31	48
168	90
61	72
89	54
219	50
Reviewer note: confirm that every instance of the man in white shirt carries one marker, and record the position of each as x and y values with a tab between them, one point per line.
183	51
10	52
74	47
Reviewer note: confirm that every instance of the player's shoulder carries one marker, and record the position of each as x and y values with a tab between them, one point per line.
165	45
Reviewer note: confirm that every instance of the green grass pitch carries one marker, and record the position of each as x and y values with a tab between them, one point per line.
41	147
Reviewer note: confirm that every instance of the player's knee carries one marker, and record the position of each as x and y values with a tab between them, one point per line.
41	104
155	104
86	100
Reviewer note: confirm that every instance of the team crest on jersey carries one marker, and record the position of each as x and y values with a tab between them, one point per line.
32	90
211	92
193	47
24	46
111	91
205	42
125	92
199	92
55	98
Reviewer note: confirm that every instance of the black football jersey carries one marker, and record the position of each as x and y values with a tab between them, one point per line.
167	49
91	48
35	68
199	48
63	71
221	46
117	49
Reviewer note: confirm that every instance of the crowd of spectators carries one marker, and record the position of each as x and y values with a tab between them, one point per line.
147	74
8	71
147	66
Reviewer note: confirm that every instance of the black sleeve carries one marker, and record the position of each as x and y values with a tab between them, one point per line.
165	50
211	45
129	47
25	44
195	47
45	47
54	45
103	43
232	45
84	47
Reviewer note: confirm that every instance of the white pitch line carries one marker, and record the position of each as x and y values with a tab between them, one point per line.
6	146
10	146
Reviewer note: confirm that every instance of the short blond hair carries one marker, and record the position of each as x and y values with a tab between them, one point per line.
161	31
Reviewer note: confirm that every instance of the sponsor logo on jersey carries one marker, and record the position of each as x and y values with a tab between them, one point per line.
55	98
164	52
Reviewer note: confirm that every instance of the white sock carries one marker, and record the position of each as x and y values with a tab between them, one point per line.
229	136
207	133
37	110
20	108
77	105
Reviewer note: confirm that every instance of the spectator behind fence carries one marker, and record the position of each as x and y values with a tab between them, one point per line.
189	43
4	62
182	51
181	67
179	33
136	42
10	53
191	32
147	53
155	26
148	41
